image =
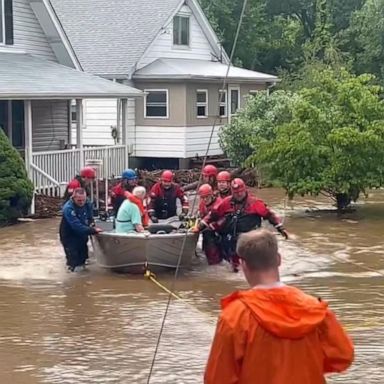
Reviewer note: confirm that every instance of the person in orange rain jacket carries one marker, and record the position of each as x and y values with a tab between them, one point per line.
273	333
137	197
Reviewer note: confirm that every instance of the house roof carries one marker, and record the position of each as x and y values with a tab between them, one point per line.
186	69
109	37
23	76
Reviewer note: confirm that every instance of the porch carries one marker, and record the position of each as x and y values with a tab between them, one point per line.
35	97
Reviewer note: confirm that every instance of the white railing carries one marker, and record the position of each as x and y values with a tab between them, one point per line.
44	184
52	170
113	159
61	166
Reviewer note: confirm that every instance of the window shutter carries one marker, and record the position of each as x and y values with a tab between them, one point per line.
8	16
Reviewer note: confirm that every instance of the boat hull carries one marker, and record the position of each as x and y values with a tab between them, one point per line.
127	252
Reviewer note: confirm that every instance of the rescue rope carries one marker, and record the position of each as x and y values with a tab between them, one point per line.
365	325
170	295
152	277
363	267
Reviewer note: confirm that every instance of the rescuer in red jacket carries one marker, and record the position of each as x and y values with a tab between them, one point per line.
163	198
224	184
237	214
211	246
83	180
128	182
209	173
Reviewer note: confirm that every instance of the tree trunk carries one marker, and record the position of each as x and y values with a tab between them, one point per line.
343	200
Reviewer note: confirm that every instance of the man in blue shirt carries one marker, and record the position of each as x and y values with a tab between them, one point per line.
76	227
129	218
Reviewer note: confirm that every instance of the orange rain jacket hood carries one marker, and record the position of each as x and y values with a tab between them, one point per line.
276	335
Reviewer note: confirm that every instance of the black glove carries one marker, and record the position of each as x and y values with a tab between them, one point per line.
182	217
280	228
154	219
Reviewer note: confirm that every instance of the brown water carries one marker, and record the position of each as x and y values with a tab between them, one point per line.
98	327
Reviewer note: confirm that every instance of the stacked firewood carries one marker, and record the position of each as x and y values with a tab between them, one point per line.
47	206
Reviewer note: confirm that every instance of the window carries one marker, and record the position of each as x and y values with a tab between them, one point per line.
181	30
223	103
234	100
202	103
6	22
156	103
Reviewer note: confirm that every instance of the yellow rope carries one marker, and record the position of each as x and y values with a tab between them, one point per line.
152	277
365	325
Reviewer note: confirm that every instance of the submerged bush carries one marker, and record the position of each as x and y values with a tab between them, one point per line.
16	190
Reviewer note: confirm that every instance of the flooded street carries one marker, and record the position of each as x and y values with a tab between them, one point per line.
99	327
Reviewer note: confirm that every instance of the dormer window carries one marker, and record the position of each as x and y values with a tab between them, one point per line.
181	30
6	22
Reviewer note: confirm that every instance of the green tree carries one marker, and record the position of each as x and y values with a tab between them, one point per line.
259	118
275	34
332	144
15	188
364	39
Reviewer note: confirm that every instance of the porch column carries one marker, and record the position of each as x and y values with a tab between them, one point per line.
10	122
118	121
79	130
124	125
28	145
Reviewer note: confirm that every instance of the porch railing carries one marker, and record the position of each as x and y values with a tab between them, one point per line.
50	171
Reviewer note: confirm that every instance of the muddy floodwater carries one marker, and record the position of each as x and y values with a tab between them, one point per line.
98	327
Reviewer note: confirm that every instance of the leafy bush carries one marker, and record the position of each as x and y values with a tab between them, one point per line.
16	190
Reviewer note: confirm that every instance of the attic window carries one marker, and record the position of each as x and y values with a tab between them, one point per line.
181	30
6	22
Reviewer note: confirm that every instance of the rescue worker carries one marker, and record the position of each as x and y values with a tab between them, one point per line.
209	174
208	200
274	333
75	227
163	197
239	213
137	197
129	218
128	183
83	180
224	184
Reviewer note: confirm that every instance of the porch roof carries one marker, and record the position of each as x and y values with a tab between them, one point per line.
187	69
23	76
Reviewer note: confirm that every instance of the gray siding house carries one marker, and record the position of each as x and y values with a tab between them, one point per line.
39	77
167	49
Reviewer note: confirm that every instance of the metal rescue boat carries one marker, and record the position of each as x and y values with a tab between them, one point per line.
159	246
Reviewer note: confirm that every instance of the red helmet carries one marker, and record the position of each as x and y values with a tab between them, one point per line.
224	176
167	176
210	170
238	186
205	190
72	185
88	173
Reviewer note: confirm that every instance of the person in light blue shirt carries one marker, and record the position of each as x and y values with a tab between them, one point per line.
128	218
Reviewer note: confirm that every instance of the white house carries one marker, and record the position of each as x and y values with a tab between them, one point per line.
39	77
168	49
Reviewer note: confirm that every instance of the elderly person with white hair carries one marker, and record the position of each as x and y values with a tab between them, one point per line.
130	215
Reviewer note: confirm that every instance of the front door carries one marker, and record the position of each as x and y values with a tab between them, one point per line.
12	121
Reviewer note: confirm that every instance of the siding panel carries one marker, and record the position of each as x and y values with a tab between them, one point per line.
28	34
49	124
99	116
162	47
